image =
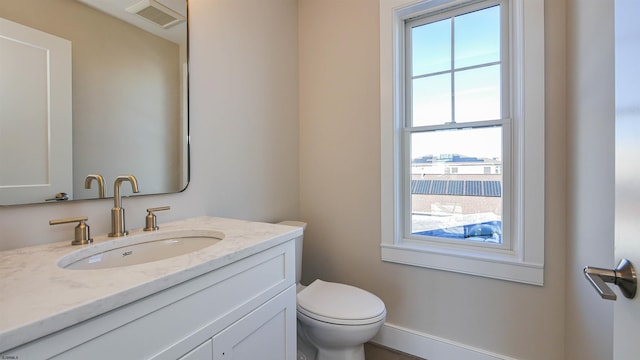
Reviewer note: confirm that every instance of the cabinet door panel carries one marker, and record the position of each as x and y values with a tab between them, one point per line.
268	333
202	352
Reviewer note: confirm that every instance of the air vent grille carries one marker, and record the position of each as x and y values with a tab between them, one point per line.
157	13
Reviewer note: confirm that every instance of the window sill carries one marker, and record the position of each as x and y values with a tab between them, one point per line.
491	265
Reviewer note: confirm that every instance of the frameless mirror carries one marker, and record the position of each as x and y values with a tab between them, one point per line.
92	87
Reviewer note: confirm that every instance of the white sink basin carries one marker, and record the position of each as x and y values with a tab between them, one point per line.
139	249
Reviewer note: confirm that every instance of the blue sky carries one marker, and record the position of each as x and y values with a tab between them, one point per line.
476	43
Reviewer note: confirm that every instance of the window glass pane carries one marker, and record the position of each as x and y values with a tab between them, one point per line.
456	184
477	37
431	47
431	102
477	94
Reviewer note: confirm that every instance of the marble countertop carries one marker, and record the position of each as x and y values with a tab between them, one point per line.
37	297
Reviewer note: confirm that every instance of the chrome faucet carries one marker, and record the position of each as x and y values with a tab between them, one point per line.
117	213
99	179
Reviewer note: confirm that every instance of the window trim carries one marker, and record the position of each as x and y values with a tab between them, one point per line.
524	262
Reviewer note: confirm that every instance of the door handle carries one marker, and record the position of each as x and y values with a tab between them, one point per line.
624	275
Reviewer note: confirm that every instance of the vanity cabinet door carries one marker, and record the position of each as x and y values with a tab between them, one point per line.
202	352
267	333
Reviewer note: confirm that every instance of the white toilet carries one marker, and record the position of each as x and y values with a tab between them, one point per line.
334	320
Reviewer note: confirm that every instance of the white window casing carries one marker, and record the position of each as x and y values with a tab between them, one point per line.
523	260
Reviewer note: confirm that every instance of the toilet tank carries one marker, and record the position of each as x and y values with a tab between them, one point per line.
298	247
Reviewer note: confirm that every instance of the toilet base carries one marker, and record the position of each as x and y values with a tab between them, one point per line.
305	351
352	353
336	342
308	351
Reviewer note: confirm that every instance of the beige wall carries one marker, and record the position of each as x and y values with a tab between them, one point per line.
340	194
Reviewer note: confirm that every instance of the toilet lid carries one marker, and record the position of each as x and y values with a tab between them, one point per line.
340	304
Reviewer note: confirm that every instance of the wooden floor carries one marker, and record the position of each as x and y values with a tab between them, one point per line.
377	352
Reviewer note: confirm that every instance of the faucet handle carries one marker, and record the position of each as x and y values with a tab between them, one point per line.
150	220
82	233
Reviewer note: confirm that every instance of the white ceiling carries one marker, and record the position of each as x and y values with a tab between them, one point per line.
117	8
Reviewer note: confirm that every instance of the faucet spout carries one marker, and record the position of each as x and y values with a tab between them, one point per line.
99	179
117	213
117	199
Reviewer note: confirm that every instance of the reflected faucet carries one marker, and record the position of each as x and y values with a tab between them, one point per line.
99	179
117	213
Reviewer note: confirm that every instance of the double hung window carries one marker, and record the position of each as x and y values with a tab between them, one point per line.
456	122
456	139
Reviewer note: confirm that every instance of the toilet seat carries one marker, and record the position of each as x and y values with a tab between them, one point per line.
340	304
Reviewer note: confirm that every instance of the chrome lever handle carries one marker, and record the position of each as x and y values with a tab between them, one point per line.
624	275
597	276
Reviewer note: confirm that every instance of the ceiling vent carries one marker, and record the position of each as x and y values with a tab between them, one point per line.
157	13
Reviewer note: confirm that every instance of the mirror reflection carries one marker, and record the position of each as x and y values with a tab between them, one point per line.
92	87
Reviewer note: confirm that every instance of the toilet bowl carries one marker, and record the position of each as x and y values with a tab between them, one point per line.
334	320
337	319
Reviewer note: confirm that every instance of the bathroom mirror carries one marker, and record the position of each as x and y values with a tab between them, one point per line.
92	87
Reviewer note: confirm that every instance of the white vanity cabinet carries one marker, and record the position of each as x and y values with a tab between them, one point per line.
244	310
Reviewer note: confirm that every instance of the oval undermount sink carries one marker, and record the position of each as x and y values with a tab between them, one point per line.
139	250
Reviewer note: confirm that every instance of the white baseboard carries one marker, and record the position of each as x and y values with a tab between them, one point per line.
430	347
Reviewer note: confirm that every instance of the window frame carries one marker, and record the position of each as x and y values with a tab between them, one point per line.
504	121
523	259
